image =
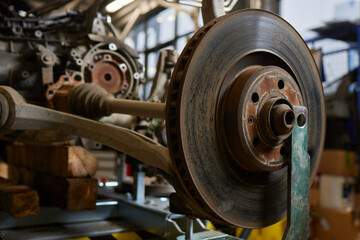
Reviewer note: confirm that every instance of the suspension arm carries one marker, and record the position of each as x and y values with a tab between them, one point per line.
16	114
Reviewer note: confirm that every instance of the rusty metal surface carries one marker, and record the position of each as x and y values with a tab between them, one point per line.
112	68
251	132
109	74
56	94
210	63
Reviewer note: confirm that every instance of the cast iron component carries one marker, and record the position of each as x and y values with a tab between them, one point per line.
244	184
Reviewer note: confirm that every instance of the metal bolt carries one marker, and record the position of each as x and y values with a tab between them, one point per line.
123	67
112	47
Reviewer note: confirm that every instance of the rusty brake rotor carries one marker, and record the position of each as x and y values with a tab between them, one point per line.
229	116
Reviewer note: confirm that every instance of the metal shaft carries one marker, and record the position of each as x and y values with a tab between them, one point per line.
136	108
92	101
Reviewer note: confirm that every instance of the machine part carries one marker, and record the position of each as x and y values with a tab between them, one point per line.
269	118
16	114
57	92
246	191
139	187
47	59
114	70
37	51
90	100
165	65
298	212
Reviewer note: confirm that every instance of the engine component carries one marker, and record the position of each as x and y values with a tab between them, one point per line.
38	52
229	115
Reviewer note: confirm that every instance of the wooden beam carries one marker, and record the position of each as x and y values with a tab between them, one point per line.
62	161
67	193
18	200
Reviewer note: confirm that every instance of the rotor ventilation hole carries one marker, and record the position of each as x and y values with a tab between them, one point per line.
281	84
107	76
301	120
255	97
256	141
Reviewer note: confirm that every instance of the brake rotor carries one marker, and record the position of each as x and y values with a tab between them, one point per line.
229	116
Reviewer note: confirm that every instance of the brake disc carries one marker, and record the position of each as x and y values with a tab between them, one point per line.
229	116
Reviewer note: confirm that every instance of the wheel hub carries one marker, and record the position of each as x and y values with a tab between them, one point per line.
258	116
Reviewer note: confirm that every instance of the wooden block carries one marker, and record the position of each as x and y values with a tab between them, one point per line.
21	175
18	200
67	193
72	194
16	155
62	161
4	170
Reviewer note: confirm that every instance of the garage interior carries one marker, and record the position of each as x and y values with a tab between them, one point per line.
179	119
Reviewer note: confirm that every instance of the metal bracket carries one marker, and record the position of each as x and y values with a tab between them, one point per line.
298	180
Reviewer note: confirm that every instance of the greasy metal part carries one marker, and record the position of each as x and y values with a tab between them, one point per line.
217	187
166	62
90	100
23	116
47	59
298	213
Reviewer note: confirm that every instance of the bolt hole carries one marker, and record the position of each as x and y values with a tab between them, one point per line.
251	120
78	77
301	120
289	118
107	76
255	97
281	84
256	141
282	151
51	92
